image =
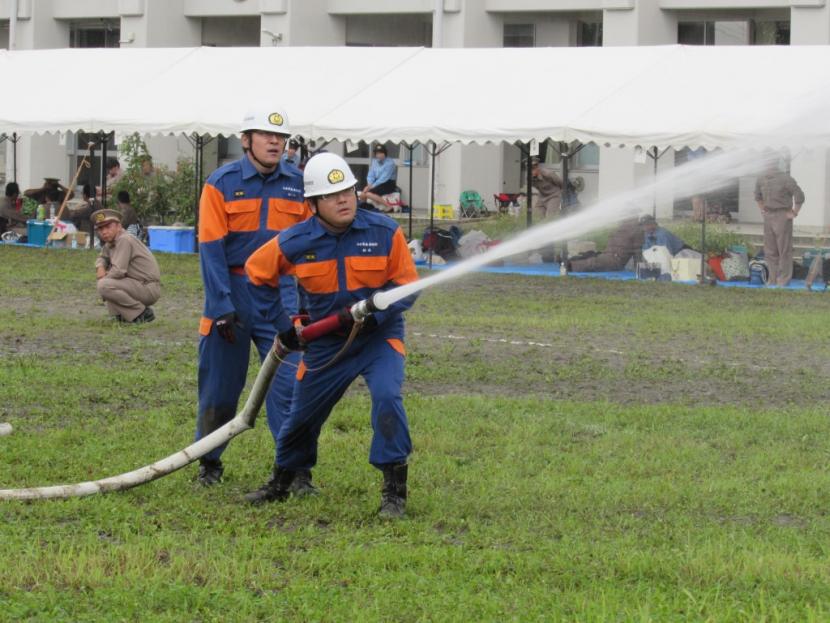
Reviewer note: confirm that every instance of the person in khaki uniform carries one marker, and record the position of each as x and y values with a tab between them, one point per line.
779	198
547	202
128	274
624	243
11	218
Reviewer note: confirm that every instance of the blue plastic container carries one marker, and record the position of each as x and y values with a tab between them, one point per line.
37	232
172	239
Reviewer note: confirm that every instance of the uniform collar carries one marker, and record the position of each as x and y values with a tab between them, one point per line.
249	170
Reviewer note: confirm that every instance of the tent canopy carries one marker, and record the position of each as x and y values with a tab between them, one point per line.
666	96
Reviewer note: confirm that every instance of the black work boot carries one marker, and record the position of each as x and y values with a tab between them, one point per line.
277	489
146	316
302	486
210	472
393	497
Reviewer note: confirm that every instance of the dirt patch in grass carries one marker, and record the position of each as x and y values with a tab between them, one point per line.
498	335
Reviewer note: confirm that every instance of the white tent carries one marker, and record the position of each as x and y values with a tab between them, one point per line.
648	96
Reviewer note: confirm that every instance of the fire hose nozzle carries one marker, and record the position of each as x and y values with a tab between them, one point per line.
361	310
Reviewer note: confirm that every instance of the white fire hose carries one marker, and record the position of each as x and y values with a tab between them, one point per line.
244	420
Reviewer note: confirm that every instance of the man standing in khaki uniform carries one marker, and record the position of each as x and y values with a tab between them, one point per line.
547	202
128	274
779	198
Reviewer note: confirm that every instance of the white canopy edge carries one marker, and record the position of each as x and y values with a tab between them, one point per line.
664	96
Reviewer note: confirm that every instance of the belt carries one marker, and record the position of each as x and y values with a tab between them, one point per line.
237	270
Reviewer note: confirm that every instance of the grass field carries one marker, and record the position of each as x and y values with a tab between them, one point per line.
584	451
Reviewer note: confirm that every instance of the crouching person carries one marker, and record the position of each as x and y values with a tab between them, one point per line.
128	274
341	256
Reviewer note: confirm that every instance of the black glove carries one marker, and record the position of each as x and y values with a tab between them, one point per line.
346	319
225	325
291	340
370	323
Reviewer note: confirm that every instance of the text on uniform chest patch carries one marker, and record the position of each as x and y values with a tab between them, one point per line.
366	247
239	193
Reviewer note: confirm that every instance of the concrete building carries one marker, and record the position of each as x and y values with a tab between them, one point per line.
456	23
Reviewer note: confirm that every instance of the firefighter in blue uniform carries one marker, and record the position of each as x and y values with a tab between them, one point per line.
341	256
243	205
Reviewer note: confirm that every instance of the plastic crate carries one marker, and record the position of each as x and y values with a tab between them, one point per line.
172	239
443	210
37	231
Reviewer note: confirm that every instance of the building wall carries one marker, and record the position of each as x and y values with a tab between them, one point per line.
236	31
464	23
302	22
388	30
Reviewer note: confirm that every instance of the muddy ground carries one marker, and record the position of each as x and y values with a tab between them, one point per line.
500	335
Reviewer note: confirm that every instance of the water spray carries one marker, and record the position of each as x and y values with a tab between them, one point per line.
711	172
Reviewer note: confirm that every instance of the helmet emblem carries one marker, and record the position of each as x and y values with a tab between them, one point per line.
336	176
275	118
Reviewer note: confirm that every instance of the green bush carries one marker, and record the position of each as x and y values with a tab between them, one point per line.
164	196
718	238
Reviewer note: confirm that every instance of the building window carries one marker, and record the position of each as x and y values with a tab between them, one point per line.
589	34
733	32
519	35
770	33
99	33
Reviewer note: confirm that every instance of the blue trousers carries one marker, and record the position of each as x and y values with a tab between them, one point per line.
223	367
316	393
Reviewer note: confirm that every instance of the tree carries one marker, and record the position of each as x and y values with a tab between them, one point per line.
158	194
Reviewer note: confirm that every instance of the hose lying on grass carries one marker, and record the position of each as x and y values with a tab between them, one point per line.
244	420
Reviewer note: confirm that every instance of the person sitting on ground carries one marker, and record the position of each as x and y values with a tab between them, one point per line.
114	174
381	179
656	236
624	243
11	214
292	153
128	274
80	216
51	188
52	203
129	218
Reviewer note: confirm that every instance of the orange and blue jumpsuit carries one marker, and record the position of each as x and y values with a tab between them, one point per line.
334	272
240	210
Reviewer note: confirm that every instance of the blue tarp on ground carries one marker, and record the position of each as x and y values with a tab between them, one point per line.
552	270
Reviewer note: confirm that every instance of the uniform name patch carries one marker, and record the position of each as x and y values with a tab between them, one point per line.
239	193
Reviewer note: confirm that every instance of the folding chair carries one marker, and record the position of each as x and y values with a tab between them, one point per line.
471	204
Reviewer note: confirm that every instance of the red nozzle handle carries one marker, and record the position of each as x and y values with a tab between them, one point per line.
318	329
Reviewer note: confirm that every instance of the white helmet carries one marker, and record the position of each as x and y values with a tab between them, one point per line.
267	120
327	173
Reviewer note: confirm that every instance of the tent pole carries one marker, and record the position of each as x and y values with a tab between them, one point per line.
432	197
197	166
529	215
103	137
411	150
703	249
566	160
14	156
654	157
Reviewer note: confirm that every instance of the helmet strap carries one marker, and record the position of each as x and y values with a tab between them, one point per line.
326	223
250	152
